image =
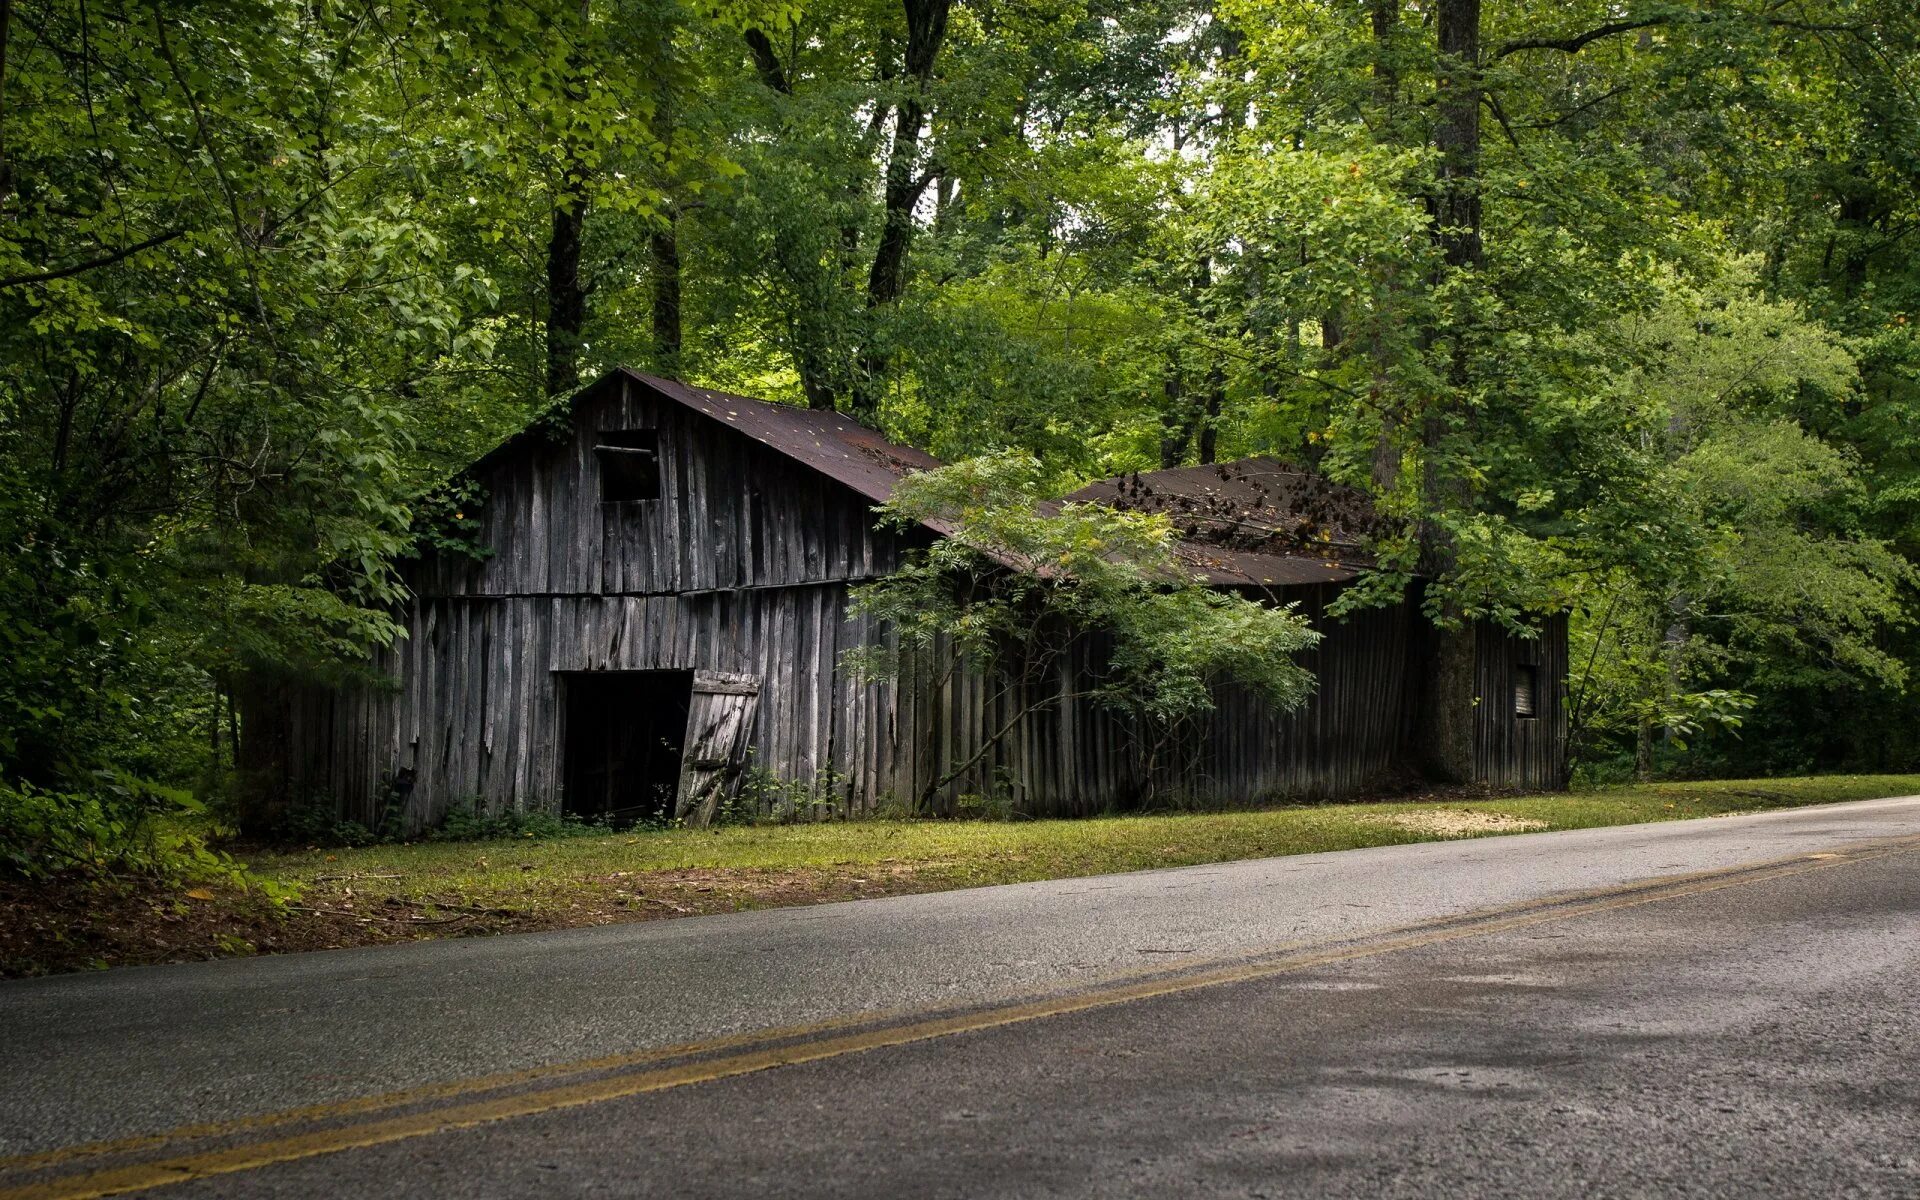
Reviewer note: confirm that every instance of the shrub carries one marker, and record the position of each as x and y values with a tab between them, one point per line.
122	825
464	824
314	824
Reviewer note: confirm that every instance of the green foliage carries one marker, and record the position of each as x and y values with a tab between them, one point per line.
120	826
1784	587
447	520
465	824
1018	583
763	795
314	824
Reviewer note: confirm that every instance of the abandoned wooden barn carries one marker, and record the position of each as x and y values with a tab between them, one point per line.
664	611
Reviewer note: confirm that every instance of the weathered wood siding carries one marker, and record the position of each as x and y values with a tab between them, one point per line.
1510	751
478	712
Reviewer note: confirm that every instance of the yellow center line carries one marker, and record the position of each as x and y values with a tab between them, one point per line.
633	1075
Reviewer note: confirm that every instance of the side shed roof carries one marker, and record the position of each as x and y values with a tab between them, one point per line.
1254	521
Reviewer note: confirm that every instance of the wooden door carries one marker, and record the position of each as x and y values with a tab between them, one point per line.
718	724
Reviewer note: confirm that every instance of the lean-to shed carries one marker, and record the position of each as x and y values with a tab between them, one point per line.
664	611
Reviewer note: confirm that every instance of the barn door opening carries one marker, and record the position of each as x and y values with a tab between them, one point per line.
624	734
718	726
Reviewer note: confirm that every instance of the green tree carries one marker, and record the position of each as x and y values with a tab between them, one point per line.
1017	586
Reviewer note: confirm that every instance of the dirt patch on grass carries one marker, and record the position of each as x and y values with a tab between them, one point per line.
1457	822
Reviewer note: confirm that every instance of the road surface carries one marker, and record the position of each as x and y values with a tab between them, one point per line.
1720	1007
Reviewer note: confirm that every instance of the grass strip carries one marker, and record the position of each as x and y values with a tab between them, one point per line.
381	894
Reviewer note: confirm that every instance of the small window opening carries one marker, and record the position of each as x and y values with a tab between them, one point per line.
629	465
1526	689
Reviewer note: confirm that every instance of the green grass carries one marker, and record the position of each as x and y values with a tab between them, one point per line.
590	879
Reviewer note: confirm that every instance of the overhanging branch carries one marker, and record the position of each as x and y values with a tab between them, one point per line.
105	260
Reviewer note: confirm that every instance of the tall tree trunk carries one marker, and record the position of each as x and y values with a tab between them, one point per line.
1386	72
1456	134
810	358
663	244
566	296
926	30
566	293
1449	707
1210	416
665	247
6	167
1449	704
1176	422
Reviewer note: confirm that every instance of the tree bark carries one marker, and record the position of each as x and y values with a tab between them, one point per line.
566	296
1456	134
1448	708
766	63
1176	422
566	293
1210	416
886	281
665	248
810	357
1386	73
1444	725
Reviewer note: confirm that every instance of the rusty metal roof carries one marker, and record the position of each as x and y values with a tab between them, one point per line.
1253	521
836	446
1245	568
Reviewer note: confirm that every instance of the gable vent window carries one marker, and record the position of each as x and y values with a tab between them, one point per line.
1526	690
629	465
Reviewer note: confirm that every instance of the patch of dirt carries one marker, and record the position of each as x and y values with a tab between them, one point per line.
1457	822
57	926
52	926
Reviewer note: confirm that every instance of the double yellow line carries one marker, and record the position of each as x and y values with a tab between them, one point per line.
84	1172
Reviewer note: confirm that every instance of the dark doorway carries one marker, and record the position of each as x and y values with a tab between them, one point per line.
624	733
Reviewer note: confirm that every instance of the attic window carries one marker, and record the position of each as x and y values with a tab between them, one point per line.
1526	690
629	465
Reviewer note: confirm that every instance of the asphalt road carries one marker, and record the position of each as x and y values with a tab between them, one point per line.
1423	1020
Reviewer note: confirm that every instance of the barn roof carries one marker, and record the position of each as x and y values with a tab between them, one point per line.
1258	519
1251	523
836	446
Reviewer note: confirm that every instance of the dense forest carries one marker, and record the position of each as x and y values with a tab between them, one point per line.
1608	304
